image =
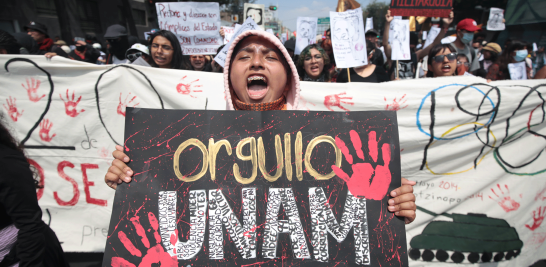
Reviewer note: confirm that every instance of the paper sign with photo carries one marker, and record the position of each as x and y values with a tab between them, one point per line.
518	71
369	24
399	39
495	22
348	40
228	34
434	31
196	25
249	24
256	12
306	31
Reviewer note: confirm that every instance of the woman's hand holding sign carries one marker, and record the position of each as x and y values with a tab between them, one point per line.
361	184
118	172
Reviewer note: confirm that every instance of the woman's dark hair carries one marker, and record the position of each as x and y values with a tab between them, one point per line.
307	52
178	61
8	42
370	46
435	50
506	57
9	141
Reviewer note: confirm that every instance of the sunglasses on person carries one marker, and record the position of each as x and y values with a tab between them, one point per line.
440	58
466	64
133	57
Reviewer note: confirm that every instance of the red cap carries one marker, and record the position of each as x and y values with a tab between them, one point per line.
468	25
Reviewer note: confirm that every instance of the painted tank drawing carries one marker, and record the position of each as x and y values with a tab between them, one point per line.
469	238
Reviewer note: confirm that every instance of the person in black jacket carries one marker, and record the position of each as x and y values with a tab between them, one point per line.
84	52
24	238
38	32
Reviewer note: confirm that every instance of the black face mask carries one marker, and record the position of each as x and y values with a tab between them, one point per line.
80	48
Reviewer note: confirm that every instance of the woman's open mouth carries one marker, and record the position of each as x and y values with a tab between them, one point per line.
257	86
446	68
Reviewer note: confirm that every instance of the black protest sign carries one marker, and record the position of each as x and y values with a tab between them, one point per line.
427	8
233	188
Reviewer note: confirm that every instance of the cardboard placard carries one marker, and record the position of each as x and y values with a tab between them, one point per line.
237	188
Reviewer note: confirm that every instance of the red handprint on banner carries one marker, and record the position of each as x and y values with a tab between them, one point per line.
538	218
360	183
45	127
337	100
504	200
122	106
153	256
70	105
188	88
396	104
11	108
32	88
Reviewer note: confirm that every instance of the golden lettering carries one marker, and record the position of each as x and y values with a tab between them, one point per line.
214	148
309	151
261	159
287	157
299	156
202	147
252	142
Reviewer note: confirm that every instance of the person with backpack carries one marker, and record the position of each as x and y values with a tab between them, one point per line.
463	43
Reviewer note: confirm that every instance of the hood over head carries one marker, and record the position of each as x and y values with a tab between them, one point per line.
293	93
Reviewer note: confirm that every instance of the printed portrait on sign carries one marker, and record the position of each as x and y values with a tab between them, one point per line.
307	27
255	14
399	39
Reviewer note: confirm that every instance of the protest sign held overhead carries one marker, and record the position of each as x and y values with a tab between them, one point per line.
249	24
348	42
286	189
369	24
307	28
431	35
399	39
426	8
196	24
496	20
256	12
228	34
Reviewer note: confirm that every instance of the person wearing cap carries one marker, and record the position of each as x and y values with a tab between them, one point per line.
38	32
407	68
463	43
490	52
138	51
84	52
377	58
117	38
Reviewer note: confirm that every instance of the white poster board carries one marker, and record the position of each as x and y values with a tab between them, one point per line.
432	34
495	22
228	34
306	29
256	12
348	40
249	24
369	24
518	71
196	24
399	39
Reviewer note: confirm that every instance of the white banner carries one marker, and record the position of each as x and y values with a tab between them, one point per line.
474	148
196	24
305	34
348	41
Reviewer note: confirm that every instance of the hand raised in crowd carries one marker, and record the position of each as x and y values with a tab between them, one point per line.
449	19
222	33
119	171
403	201
388	16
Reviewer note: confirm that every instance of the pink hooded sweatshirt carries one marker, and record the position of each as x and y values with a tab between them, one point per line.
293	93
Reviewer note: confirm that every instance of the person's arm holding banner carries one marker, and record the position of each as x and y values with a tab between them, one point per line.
445	25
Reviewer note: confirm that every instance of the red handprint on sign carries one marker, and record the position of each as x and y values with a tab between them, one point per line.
70	105
336	101
32	88
396	104
122	106
153	256
45	127
538	218
11	108
504	200
360	184
186	88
